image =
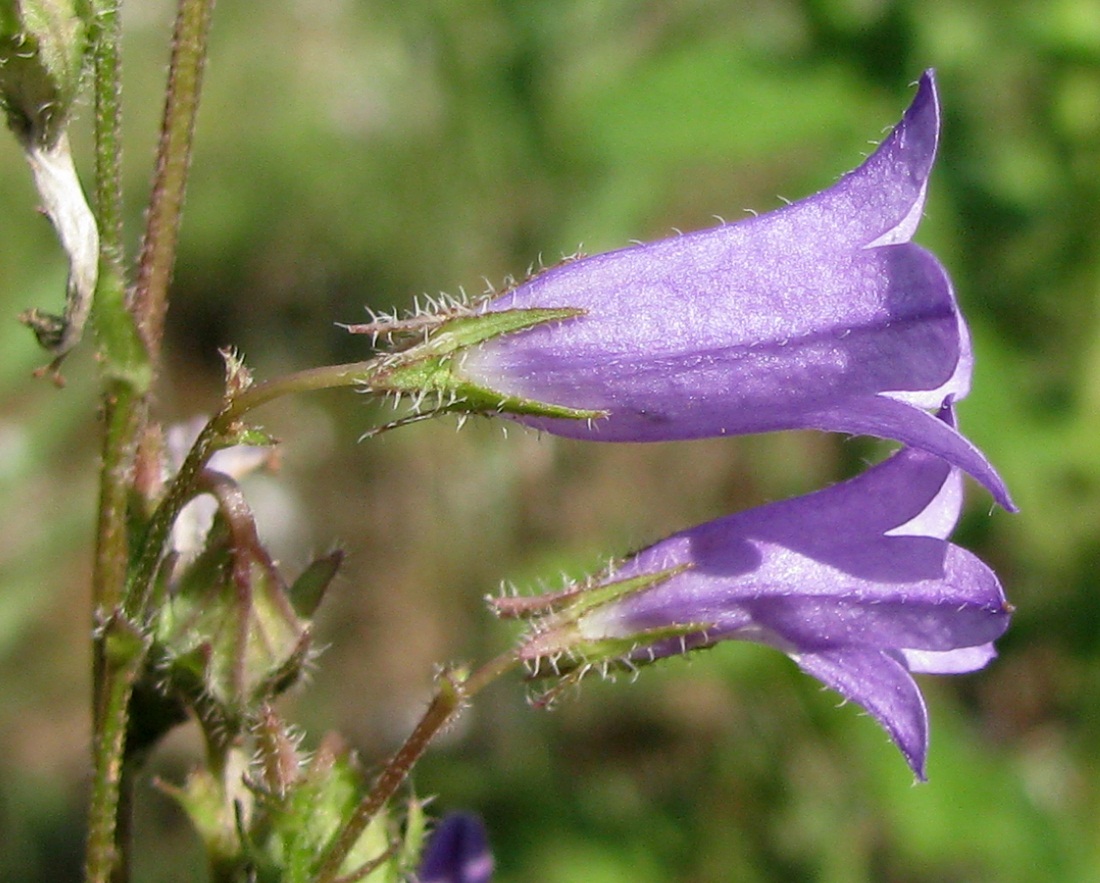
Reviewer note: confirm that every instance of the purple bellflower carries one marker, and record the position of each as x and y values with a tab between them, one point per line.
857	583
820	315
457	852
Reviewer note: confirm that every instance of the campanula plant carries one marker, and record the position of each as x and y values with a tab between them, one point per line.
822	315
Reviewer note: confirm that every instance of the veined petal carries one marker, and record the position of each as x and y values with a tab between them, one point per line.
966	607
731	349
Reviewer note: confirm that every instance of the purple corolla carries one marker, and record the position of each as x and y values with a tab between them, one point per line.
821	315
457	852
857	583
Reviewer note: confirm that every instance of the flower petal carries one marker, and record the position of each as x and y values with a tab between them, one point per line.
828	569
760	340
880	683
888	418
458	852
857	582
821	315
963	608
949	662
787	288
880	203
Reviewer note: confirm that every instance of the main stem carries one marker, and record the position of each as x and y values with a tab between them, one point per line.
111	686
129	333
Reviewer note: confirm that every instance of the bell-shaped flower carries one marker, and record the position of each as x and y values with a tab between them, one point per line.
857	583
457	852
820	315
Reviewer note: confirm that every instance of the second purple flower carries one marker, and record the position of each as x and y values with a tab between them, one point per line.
858	583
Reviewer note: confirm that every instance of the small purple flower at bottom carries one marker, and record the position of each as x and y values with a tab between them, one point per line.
457	852
857	583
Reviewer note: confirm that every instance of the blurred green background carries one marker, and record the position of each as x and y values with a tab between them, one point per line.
360	152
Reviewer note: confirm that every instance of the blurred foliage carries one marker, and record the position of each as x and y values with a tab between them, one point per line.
362	152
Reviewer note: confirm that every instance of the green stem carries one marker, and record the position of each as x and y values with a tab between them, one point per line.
103	860
309	380
127	377
109	743
452	695
106	42
111	684
158	251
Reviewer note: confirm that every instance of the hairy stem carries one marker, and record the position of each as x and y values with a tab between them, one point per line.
109	743
120	653
452	695
106	42
309	380
127	377
158	250
115	672
111	684
221	425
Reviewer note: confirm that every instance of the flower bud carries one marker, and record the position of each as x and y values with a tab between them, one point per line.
231	634
274	819
458	852
43	47
292	826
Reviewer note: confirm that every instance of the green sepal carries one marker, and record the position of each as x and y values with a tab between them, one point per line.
213	814
575	601
124	644
415	834
429	367
291	832
613	652
560	631
252	436
466	330
256	437
308	590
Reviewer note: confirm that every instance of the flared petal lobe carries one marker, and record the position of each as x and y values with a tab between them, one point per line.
820	315
857	583
881	683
